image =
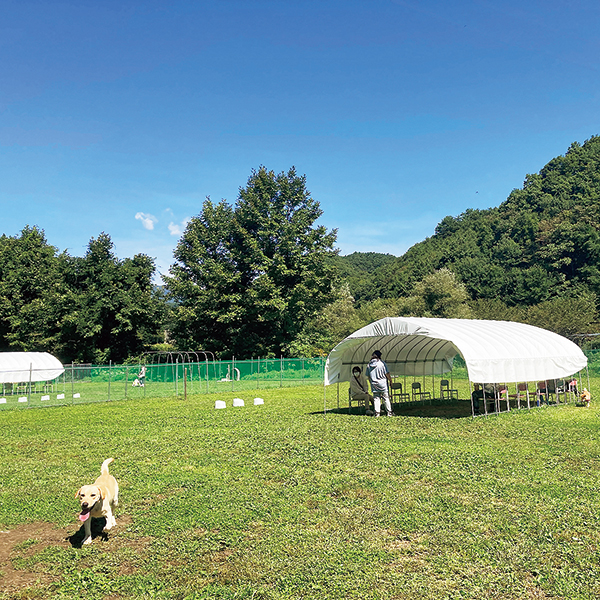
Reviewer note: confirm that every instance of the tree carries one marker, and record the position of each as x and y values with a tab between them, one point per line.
329	327
248	278
439	295
115	312
565	316
33	299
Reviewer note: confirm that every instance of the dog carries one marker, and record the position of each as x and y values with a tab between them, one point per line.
98	500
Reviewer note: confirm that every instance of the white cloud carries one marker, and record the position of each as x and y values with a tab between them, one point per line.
147	220
177	228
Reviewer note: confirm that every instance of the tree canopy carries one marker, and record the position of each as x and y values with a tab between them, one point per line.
249	276
93	308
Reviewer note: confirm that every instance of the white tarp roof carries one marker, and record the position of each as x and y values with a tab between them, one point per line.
494	351
16	367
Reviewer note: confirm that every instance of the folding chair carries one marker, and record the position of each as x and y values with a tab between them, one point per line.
418	394
445	391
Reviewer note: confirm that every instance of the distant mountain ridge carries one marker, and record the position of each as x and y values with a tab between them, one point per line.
542	242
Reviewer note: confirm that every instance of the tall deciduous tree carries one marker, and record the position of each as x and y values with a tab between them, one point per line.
114	312
33	299
247	278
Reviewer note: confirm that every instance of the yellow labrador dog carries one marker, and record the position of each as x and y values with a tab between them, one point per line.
99	500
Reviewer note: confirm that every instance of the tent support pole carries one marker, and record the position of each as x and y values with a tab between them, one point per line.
484	400
587	371
471	394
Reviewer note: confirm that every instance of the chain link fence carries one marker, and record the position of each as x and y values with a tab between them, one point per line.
84	383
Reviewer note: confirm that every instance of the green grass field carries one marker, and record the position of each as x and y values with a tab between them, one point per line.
282	502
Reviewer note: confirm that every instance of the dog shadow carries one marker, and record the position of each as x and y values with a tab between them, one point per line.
98	525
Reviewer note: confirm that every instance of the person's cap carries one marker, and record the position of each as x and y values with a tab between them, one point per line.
377	353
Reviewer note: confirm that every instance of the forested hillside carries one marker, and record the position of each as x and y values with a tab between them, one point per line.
534	258
356	269
542	242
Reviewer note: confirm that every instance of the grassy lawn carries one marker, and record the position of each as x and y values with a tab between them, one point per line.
281	502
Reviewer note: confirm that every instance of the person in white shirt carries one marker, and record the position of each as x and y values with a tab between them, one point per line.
380	377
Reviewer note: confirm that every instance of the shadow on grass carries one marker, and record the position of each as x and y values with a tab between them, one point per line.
439	410
98	525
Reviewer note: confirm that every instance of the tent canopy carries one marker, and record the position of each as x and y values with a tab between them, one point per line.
16	367
494	351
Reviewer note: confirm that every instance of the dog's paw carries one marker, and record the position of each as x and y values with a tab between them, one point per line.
87	540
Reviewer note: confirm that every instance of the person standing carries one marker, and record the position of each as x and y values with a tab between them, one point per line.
142	376
380	377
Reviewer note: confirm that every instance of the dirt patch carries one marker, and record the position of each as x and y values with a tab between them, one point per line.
27	540
41	535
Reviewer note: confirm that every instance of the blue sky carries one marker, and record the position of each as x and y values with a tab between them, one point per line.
122	116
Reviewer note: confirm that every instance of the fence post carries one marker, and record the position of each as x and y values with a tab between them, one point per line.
280	371
233	373
184	383
177	376
72	382
258	373
109	377
29	394
207	388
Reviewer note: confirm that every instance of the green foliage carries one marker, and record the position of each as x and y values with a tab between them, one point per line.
33	301
86	309
440	295
248	278
566	316
357	269
541	244
335	322
437	295
115	310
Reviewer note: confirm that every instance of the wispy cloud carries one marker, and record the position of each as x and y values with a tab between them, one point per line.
147	220
177	228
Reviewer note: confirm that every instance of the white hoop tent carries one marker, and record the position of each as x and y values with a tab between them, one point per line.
494	351
17	367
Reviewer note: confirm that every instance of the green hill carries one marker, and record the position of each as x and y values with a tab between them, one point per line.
543	242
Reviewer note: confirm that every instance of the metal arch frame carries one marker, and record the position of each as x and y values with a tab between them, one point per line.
181	357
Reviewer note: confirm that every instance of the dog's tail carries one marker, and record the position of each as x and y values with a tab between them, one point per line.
104	467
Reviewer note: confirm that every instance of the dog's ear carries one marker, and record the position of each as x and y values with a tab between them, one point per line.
78	492
102	493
